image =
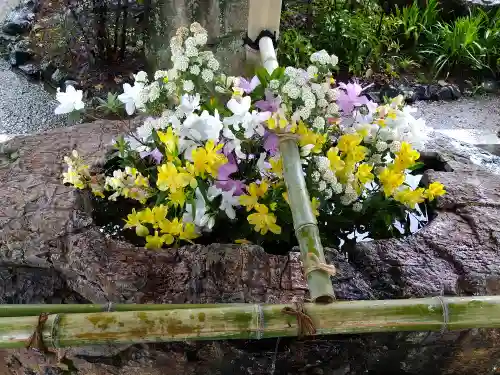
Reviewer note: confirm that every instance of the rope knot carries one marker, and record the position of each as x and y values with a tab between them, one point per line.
313	263
305	325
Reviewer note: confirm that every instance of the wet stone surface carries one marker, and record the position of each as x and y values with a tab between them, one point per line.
46	229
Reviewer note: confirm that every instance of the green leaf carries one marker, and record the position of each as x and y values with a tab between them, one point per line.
278	73
160	198
416	166
263	76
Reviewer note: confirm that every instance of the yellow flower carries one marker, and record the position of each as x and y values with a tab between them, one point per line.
392	114
170	178
277	121
173	227
254	193
169	139
285	197
364	173
381	122
356	154
189	168
406	157
177	198
410	197
156	241
315	205
134	220
391	179
308	137
436	189
263	221
159	212
243	241
347	142
207	159
277	166
147	216
189	232
336	163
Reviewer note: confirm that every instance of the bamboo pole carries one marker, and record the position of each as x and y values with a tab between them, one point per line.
304	221
32	310
253	321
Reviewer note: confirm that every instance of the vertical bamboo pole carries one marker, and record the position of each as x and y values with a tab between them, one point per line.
304	221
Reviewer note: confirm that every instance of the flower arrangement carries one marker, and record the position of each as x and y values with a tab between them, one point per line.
207	161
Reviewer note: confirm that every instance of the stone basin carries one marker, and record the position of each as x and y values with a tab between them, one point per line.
52	252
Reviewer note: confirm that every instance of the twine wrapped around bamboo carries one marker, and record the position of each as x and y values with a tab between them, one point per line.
251	321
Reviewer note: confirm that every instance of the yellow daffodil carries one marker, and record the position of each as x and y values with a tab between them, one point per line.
169	178
263	221
207	159
356	154
309	137
173	227
336	163
188	232
381	122
277	166
410	197
347	142
364	173
391	179
177	198
255	192
134	220
406	157
169	139
156	241
436	189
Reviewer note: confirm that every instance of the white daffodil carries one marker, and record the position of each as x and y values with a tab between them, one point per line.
228	202
202	128
132	97
198	214
70	101
189	103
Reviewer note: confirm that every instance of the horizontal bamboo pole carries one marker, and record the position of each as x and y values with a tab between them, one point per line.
253	321
32	310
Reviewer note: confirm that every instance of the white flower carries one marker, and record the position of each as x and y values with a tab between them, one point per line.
195	70
395	146
304	113
170	87
321	56
319	123
160	74
328	193
228	202
337	188
201	38
71	100
191	51
213	64
172	74
188	85
323	163
376	159
180	63
144	131
202	128
189	103
306	150
141	77
357	207
274	84
132	97
329	177
321	186
322	103
200	217
381	146
153	92
312	70
334	60
262	165
315	176
135	145
241	107
207	75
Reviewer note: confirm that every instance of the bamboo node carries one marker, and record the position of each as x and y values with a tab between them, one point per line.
305	325
260	322
285	136
314	264
446	318
35	341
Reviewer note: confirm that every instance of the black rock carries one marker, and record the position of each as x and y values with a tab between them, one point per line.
490	86
422	92
19	21
58	77
19	53
374	96
448	92
389	91
71	82
47	68
409	95
30	69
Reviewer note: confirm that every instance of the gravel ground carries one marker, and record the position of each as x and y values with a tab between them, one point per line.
478	112
25	107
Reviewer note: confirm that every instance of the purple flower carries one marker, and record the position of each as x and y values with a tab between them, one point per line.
349	97
271	104
271	143
247	86
156	155
225	182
